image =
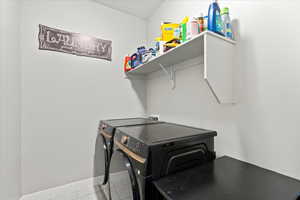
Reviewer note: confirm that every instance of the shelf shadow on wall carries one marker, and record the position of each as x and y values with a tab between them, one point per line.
140	88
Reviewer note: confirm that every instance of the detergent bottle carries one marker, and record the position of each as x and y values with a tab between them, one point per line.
227	23
215	23
184	34
127	64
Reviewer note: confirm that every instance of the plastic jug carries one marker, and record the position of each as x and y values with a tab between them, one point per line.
215	23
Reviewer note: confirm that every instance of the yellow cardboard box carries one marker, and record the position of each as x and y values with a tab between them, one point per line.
170	31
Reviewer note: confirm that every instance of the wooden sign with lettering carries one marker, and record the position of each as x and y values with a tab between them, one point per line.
74	43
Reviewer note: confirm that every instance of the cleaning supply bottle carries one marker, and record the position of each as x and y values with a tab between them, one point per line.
205	23
227	23
184	30
127	64
215	23
159	46
201	23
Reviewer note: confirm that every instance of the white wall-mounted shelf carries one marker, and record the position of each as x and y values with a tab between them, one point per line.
217	54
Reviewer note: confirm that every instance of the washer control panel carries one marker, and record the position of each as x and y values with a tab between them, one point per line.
132	144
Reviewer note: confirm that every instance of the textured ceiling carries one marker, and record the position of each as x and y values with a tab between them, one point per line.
139	8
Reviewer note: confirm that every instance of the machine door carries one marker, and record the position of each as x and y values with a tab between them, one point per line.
122	178
106	159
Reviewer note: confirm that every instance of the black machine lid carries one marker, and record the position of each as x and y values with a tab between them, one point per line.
157	133
129	122
228	179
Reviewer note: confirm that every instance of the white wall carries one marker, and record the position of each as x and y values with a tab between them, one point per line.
263	127
65	96
10	166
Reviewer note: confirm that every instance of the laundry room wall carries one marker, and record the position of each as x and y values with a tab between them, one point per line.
10	138
262	127
64	96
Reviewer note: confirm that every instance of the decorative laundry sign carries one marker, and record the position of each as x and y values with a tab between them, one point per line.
74	43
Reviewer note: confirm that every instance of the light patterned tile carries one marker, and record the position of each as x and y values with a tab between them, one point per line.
81	190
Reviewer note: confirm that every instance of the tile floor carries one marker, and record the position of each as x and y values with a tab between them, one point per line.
82	190
120	187
89	189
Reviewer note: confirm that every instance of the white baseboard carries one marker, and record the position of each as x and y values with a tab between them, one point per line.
82	190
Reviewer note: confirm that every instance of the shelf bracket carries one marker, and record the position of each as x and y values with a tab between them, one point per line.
170	74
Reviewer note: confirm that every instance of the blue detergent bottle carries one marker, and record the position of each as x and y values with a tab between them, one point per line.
215	23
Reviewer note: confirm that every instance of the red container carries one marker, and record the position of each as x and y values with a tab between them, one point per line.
127	66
